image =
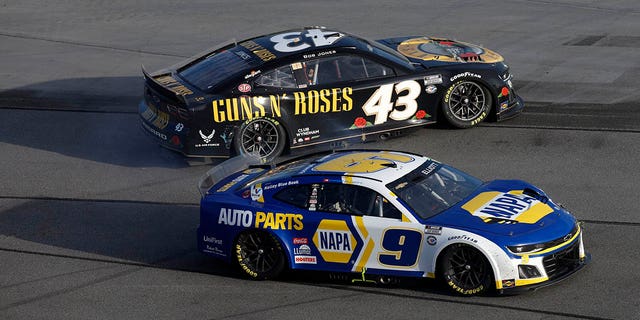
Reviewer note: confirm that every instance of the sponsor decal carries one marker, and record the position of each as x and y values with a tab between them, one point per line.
252	74
263	220
431	240
334	241
431	89
359	123
158	118
214	250
433	230
508	283
446	50
173	85
244	87
308	102
433	79
303	250
464	291
253	171
179	127
305	260
503	92
421	114
262	53
463	237
465	75
512	206
154	132
243	55
213	240
235	217
297	241
207	139
231	183
504	105
256	193
281	184
303	132
180	113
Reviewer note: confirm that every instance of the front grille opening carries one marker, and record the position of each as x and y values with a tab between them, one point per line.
562	262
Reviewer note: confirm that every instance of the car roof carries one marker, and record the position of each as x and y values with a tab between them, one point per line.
346	40
379	165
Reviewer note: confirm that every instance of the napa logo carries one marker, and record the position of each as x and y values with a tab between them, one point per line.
334	241
512	206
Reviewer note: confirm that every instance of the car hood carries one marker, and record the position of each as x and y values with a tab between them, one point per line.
510	208
430	51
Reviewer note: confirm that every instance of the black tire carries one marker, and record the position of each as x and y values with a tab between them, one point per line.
466	103
263	137
259	255
465	270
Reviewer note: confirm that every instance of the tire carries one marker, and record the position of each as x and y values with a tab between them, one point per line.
466	103
259	255
465	270
263	137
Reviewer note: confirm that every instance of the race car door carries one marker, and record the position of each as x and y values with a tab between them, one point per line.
360	231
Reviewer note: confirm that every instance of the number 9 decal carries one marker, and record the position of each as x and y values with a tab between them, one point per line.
401	248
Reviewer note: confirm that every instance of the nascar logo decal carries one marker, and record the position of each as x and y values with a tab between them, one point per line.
513	206
334	241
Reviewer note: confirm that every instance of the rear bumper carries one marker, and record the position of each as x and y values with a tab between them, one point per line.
177	136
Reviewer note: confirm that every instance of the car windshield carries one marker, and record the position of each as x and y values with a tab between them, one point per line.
433	187
215	68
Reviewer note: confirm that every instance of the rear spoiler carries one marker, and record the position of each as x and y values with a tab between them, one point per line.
225	169
162	89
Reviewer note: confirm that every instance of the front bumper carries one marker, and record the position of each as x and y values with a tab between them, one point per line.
578	266
510	110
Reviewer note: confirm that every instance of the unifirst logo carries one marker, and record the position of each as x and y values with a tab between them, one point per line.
509	206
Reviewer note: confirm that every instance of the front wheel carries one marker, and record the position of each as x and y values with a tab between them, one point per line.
263	137
259	255
465	270
465	104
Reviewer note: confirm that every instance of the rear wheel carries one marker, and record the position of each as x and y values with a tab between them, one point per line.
465	270
263	137
466	103
259	255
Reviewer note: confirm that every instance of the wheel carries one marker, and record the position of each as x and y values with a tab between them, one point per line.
465	104
466	270
259	255
263	137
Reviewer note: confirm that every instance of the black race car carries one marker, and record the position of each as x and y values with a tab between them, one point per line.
314	86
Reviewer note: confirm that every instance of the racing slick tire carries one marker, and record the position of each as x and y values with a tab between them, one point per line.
465	270
259	255
466	103
264	137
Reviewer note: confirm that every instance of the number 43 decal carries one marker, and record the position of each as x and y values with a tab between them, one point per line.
293	41
405	106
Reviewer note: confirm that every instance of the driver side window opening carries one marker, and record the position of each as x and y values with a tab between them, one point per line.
351	199
341	68
323	71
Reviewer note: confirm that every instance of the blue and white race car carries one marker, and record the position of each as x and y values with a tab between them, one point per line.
381	214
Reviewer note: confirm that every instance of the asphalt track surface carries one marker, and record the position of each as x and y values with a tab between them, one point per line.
98	222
